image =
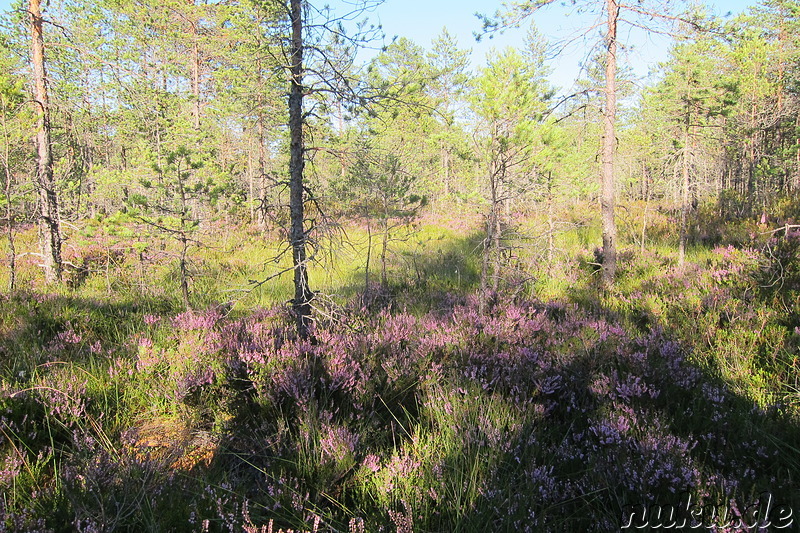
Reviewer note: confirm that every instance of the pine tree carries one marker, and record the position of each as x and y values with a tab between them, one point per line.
50	222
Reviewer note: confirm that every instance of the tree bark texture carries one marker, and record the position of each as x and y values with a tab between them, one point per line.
684	194
301	303
12	251
49	227
607	199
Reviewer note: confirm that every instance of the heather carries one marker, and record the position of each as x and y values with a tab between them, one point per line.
406	409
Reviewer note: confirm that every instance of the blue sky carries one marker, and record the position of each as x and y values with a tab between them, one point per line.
422	20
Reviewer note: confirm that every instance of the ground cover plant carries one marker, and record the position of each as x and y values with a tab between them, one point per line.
127	413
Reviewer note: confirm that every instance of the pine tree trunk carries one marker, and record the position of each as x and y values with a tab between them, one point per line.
365	298
262	151
302	294
684	197
12	251
551	226
488	243
262	166
645	180
50	226
184	240
184	272
607	199
483	296
384	249
797	157
251	200
685	185
446	165
196	83
497	236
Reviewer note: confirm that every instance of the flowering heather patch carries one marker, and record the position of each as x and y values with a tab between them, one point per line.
10	468
546	405
539	417
191	320
64	338
151	319
730	263
63	395
182	357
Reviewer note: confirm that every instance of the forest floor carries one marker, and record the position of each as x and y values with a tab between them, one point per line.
565	407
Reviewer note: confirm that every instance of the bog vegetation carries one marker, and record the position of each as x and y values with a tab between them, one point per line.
251	284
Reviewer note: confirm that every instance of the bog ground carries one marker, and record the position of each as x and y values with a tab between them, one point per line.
560	409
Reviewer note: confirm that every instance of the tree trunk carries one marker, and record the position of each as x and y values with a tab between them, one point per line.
365	299
262	151
607	199
184	240
50	226
797	157
262	164
196	83
12	251
342	159
251	200
184	272
684	197
645	180
446	165
497	236
384	249
492	242
302	294
483	296
551	226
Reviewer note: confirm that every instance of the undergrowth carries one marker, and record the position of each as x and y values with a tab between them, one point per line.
557	410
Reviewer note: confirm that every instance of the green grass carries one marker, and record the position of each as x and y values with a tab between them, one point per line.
97	362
